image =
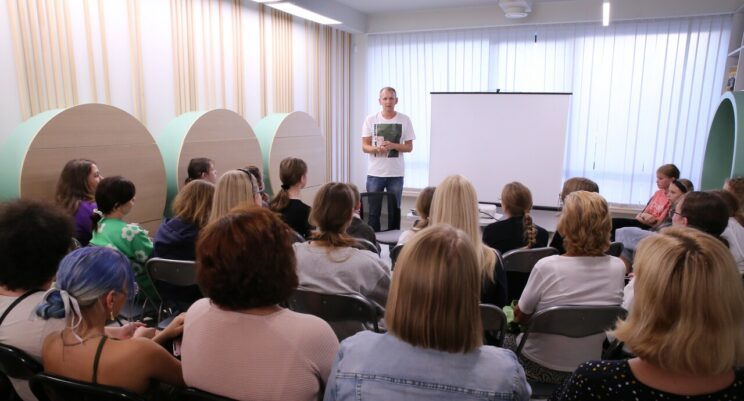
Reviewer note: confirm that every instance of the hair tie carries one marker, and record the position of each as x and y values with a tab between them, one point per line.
71	306
98	212
285	187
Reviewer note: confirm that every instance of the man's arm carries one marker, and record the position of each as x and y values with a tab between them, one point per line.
368	148
400	147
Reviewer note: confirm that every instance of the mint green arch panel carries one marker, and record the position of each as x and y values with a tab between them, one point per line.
724	151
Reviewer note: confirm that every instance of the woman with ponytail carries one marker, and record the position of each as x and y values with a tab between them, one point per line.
76	189
293	174
517	230
92	286
328	263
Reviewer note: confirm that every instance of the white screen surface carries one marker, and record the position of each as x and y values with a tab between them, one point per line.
493	139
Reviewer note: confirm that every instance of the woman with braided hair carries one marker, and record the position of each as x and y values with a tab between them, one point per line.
293	174
518	229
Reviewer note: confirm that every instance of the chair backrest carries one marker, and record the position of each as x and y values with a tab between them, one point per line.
365	245
335	308
48	387
494	322
523	260
193	394
616	248
17	364
394	255
181	273
573	321
380	211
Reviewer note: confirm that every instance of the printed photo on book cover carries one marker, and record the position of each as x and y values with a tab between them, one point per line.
391	133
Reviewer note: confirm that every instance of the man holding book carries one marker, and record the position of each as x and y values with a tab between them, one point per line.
385	135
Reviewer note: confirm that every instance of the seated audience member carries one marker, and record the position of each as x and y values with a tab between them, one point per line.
358	228
423	209
91	287
686	349
631	236
736	186
115	199
700	210
177	235
234	188
258	175
76	190
293	174
239	343
456	203
328	262
584	275
517	230
433	348
571	185
201	168
734	232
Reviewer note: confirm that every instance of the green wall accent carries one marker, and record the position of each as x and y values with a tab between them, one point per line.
170	142
13	152
724	151
265	132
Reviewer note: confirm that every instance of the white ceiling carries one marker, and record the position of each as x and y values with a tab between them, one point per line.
387	6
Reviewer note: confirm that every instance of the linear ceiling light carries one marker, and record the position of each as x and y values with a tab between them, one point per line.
267	1
298	11
606	13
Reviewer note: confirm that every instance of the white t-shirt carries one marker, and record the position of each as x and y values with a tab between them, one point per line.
23	330
390	165
570	280
734	234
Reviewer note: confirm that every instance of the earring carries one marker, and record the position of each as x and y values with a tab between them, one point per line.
111	315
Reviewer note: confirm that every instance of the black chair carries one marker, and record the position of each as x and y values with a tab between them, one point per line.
380	210
338	310
175	282
193	394
616	248
394	255
48	387
573	321
16	364
494	324
518	264
365	245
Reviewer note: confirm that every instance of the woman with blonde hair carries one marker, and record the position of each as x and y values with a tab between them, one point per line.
423	209
434	333
328	262
456	203
293	174
584	275
685	347
234	188
176	237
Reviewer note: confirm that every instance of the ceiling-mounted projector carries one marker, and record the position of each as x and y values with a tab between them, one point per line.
516	8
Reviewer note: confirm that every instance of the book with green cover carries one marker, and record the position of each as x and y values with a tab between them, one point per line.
391	133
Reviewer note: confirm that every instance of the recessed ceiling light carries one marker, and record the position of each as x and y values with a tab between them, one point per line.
298	11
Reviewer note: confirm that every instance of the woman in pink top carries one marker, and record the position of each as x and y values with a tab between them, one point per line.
239	343
657	208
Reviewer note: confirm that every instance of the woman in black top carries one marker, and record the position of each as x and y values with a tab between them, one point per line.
293	174
518	230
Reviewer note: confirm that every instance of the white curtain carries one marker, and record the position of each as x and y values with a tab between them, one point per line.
643	91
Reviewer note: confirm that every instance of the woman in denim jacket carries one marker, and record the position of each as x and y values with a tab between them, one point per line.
433	349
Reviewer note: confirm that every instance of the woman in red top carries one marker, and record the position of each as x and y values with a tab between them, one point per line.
657	208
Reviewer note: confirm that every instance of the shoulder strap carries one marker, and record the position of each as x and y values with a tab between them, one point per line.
97	358
16	302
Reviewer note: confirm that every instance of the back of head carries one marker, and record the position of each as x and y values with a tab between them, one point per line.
687	184
355	192
197	168
256	172
669	170
672	323
585	224
705	211
245	260
331	213
34	236
423	205
86	274
234	188
291	171
736	186
113	192
73	185
578	184
434	296
516	200
193	203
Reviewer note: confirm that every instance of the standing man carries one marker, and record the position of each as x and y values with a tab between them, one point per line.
385	135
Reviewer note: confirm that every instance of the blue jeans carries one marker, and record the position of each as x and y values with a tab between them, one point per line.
393	185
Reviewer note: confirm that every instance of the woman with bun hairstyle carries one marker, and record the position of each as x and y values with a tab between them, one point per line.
293	174
115	199
91	287
76	189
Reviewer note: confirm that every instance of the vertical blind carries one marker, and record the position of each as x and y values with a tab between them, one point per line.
643	91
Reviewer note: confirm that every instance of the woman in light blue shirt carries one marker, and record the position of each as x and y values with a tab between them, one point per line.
433	348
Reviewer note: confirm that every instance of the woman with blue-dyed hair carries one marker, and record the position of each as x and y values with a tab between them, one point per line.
92	286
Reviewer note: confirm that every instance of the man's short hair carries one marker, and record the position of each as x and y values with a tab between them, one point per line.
34	237
389	88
